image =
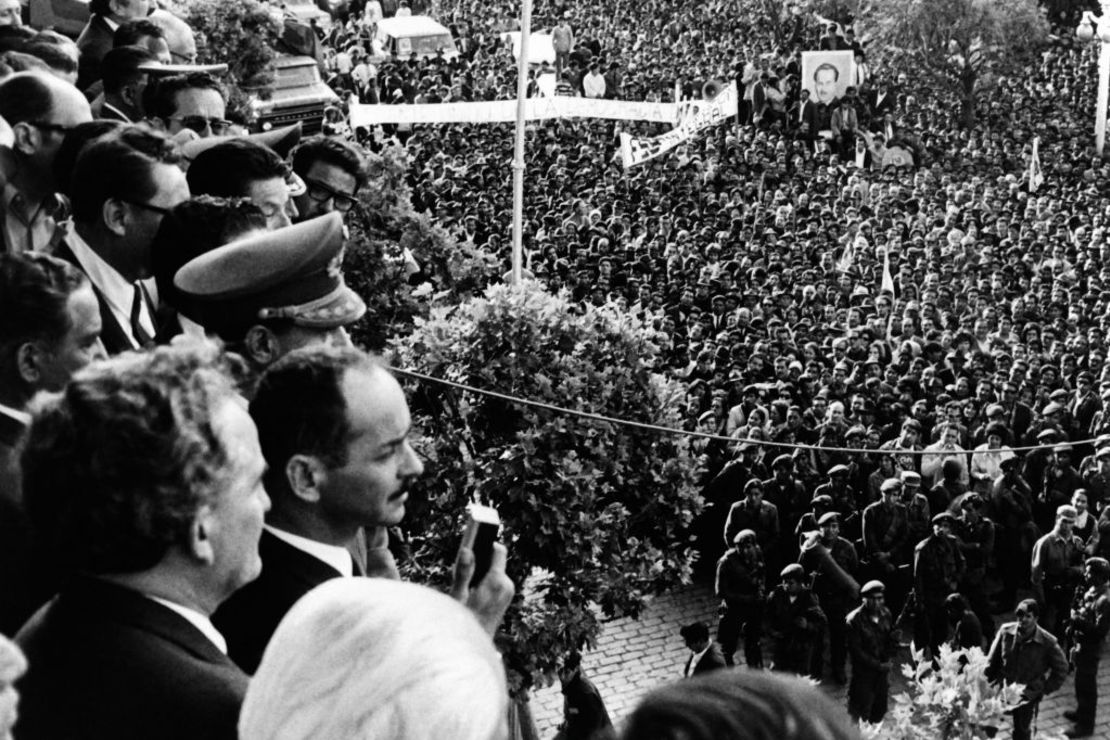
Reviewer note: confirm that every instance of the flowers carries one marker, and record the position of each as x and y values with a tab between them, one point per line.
952	699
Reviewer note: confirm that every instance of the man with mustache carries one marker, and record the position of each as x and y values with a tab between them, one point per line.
333	425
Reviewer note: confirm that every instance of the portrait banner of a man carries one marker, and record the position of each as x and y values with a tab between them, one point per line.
827	74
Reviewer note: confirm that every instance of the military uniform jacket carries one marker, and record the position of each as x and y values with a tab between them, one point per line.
871	641
1038	662
1091	617
784	617
739	581
938	567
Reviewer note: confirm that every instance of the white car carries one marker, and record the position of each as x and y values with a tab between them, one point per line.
306	11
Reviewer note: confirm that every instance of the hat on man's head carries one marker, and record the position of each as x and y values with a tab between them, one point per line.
838	470
829	517
793	572
944	517
872	588
293	273
280	140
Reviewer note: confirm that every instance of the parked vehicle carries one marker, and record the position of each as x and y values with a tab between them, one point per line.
305	11
414	36
298	94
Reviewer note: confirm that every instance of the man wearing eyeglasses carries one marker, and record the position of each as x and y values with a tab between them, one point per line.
123	184
195	102
332	172
40	109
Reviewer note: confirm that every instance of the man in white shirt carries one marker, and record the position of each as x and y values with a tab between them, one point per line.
155	523
593	84
124	184
339	463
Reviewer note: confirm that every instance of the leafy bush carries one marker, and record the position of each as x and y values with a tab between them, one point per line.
595	515
952	700
375	267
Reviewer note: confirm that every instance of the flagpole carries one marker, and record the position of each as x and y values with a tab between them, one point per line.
518	151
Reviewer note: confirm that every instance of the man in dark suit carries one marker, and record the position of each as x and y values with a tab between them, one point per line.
805	119
96	38
49	329
124	81
339	463
159	521
123	184
705	654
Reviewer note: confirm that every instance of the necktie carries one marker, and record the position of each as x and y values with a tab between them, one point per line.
142	338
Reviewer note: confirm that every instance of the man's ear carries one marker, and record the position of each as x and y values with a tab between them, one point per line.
306	476
113	216
28	363
27	137
201	531
262	345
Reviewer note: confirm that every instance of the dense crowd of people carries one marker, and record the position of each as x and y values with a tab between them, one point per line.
901	369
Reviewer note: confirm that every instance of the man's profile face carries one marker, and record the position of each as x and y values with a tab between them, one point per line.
824	82
78	347
272	196
233	524
371	487
171	188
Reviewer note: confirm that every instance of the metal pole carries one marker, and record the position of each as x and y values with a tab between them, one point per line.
518	151
1103	92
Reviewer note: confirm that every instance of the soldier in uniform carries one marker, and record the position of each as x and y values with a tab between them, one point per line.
975	534
787	494
794	621
872	642
1012	506
740	574
938	568
752	512
821	505
1056	570
836	593
843	498
918	517
1023	652
885	531
1090	621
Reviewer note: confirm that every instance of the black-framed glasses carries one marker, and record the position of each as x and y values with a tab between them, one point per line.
56	128
218	126
148	207
322	193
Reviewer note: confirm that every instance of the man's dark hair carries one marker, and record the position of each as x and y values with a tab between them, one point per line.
120	67
160	96
80	136
330	151
134	31
228	169
52	53
826	65
738	704
299	407
34	290
193	228
118	166
695	632
100	7
26	97
13	37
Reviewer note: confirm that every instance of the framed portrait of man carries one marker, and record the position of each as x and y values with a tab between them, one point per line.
827	74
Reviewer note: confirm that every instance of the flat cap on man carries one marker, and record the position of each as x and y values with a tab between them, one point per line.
872	588
292	273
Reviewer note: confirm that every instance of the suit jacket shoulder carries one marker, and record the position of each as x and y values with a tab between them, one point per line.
711	661
249	618
108	662
112	335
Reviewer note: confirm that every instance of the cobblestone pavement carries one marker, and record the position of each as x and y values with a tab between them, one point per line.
634	656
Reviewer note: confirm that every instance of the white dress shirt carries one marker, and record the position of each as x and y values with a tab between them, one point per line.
198	620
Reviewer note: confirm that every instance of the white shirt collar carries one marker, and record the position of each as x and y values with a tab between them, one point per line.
698	656
114	287
17	414
196	619
337	557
